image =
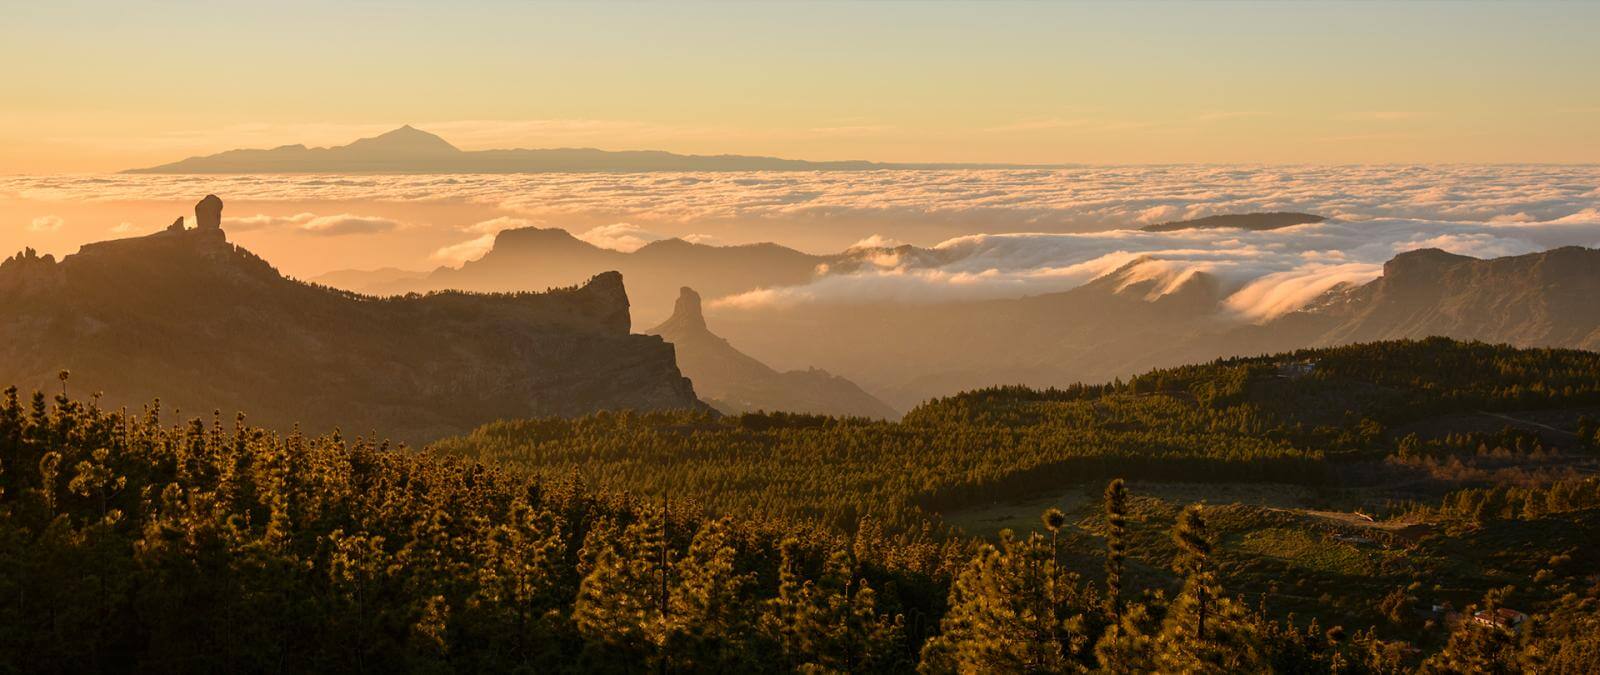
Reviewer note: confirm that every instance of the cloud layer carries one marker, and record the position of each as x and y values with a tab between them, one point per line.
985	233
1078	199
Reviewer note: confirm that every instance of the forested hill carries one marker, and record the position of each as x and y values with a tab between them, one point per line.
1290	418
132	543
205	325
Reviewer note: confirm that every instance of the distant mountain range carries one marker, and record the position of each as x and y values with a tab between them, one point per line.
188	317
410	150
532	258
1136	318
734	383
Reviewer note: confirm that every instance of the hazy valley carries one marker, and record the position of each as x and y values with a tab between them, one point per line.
1148	312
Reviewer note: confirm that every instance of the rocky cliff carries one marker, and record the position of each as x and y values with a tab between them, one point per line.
1544	299
733	382
186	316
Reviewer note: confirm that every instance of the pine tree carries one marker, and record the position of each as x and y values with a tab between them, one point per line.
618	610
831	624
1475	648
1116	505
1204	631
1125	646
1002	618
709	625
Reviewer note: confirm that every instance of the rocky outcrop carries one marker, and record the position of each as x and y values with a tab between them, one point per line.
733	382
190	318
208	213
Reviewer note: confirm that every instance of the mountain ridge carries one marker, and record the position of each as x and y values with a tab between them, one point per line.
187	315
411	150
531	258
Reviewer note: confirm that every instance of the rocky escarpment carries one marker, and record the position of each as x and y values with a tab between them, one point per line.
186	316
734	382
1540	299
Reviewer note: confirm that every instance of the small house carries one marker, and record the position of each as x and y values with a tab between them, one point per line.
1501	617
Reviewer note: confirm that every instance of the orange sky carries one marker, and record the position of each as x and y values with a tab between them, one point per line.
115	85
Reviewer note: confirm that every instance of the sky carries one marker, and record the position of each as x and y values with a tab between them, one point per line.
103	86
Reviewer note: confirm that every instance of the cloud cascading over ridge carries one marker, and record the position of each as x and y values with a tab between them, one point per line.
1265	274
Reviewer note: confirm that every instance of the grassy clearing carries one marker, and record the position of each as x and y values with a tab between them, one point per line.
1308	551
1021	516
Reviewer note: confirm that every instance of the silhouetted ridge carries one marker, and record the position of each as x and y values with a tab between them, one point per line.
185	316
409	150
534	258
406	139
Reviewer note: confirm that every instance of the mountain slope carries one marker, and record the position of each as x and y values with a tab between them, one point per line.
409	150
1538	299
733	382
188	317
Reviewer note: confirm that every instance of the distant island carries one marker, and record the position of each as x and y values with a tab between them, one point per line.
411	150
1244	221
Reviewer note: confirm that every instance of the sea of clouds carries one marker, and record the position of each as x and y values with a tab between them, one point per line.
984	233
1265	274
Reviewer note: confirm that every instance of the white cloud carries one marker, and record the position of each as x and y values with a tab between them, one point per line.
1277	293
344	223
471	249
46	224
126	228
313	224
620	237
474	248
705	239
496	225
876	241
